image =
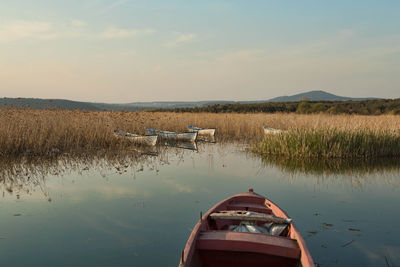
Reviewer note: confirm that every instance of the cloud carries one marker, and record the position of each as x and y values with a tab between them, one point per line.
108	8
16	30
78	23
40	30
182	39
116	4
121	33
129	53
118	33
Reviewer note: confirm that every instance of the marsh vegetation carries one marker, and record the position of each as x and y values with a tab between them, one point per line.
331	143
46	132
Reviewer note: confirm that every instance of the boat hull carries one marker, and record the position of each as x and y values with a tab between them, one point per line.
148	140
177	136
202	131
210	244
268	130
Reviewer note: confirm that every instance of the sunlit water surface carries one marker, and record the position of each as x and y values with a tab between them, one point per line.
142	214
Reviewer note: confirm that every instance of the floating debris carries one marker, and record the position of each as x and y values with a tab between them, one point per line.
354	229
311	233
348	243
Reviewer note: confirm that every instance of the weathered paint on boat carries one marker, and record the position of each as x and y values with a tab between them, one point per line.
211	243
202	131
149	140
177	136
268	130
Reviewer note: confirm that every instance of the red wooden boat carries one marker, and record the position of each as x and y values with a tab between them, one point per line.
245	230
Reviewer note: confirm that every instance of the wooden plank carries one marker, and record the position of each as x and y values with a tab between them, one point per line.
248	216
249	242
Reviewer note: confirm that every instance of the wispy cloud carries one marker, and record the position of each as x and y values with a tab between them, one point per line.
78	23
117	4
113	5
120	33
40	30
16	30
182	39
129	53
117	33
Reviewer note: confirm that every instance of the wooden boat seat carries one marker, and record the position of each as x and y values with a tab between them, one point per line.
250	206
245	215
248	242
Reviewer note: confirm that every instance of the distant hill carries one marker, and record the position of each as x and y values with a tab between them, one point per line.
316	96
37	103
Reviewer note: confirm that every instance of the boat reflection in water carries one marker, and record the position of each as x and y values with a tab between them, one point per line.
207	139
184	145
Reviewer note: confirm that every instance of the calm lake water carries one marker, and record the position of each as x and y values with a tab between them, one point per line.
122	214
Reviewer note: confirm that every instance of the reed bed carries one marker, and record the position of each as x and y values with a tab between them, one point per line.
54	131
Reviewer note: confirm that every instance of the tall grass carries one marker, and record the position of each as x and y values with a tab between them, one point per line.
331	143
48	131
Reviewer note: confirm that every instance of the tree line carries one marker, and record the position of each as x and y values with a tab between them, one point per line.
362	107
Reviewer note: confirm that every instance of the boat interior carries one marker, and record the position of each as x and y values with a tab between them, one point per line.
245	232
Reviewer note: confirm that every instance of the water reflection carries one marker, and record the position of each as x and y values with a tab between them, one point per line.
205	138
25	175
184	145
354	167
116	208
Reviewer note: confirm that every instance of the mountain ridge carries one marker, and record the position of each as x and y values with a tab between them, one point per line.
317	95
39	103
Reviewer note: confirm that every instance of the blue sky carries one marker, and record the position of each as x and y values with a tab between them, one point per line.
125	51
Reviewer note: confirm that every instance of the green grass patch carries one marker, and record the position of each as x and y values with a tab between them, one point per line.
326	143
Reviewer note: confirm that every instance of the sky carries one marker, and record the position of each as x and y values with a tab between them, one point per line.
120	51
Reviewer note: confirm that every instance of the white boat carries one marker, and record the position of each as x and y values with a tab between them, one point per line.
177	136
268	130
150	139
202	131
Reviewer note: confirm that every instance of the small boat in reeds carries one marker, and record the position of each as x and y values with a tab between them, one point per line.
177	136
202	131
268	130
245	230
149	140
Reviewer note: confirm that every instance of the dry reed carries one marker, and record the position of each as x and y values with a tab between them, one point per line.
51	131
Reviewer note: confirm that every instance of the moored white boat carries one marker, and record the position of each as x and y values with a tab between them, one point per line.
268	130
202	131
149	140
177	136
